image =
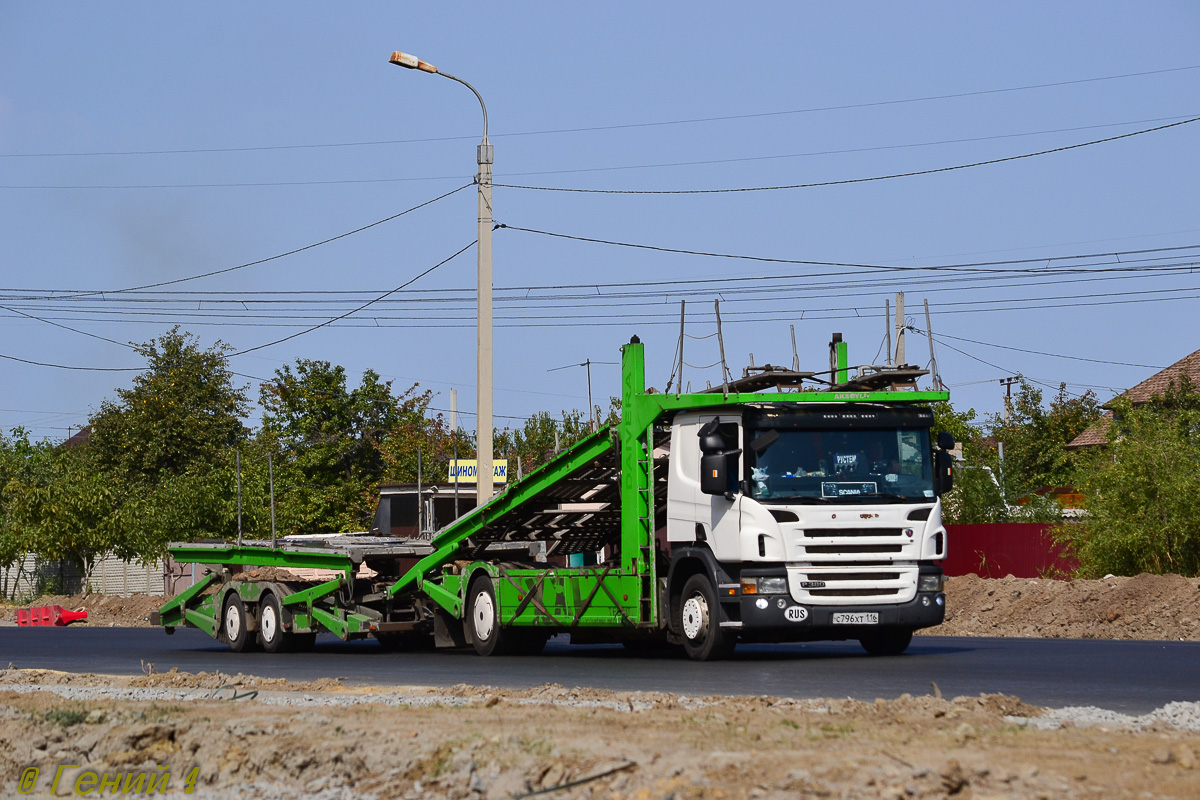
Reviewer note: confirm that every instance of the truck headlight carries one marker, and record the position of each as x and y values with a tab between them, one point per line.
930	583
758	585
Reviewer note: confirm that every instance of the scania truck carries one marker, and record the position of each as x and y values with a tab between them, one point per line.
783	506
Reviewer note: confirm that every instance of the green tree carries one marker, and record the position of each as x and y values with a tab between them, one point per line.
336	444
536	440
185	408
1035	438
56	503
176	428
1142	491
976	496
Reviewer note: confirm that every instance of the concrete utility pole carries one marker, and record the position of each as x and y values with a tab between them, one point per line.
899	328
484	358
1007	383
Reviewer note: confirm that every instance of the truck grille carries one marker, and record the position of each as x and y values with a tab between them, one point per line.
837	533
835	584
853	592
853	548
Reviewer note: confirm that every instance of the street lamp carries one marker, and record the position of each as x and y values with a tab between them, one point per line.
483	419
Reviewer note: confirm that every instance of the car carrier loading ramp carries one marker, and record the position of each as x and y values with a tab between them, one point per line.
572	503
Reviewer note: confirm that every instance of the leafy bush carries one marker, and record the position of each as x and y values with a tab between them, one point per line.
1143	492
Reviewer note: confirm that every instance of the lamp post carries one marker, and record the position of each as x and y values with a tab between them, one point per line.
483	419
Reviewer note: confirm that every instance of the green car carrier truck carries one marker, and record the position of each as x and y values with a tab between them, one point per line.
780	507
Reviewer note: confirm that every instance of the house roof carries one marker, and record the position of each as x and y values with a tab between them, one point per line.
1153	386
81	437
1157	383
1096	434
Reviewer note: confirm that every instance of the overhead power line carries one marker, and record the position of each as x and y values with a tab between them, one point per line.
328	322
977	266
622	126
842	151
1043	353
67	366
581	170
847	181
275	257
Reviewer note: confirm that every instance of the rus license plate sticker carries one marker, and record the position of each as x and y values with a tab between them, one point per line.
862	618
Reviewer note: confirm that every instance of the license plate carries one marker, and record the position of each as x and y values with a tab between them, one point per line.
863	618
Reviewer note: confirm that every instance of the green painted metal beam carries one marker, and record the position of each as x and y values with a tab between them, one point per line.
312	594
201	620
339	626
250	556
446	599
331	622
172	611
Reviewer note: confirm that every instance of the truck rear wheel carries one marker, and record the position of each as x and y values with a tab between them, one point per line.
271	634
483	618
699	620
887	642
234	623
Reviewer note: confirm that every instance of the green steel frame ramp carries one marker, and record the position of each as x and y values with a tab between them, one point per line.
572	503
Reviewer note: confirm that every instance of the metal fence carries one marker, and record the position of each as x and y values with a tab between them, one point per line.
993	550
33	576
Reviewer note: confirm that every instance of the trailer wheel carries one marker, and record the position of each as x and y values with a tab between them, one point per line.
888	642
483	617
233	623
271	634
703	637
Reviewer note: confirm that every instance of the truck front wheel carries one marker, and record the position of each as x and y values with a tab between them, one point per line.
887	642
699	620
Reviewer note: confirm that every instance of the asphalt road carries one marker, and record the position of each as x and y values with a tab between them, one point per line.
1133	677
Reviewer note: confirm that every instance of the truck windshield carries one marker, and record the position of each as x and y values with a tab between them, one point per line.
843	466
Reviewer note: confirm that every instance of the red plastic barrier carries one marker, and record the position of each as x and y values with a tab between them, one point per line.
1020	549
48	616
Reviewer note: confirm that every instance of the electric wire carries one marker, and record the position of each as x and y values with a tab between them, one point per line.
847	181
447	308
1052	355
768	292
977	266
278	256
580	170
328	322
624	126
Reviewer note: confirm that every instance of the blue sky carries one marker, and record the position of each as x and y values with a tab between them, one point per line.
289	127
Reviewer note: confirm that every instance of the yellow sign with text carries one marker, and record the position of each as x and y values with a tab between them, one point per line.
466	470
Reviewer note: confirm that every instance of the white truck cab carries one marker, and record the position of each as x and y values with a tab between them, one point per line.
817	521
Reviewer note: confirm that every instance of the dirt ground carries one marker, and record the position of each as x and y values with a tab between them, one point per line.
239	736
325	741
1141	607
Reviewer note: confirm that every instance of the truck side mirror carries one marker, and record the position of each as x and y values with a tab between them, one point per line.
943	470
714	473
715	460
946	440
711	440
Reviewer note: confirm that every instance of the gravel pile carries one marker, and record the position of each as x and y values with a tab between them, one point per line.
1181	715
